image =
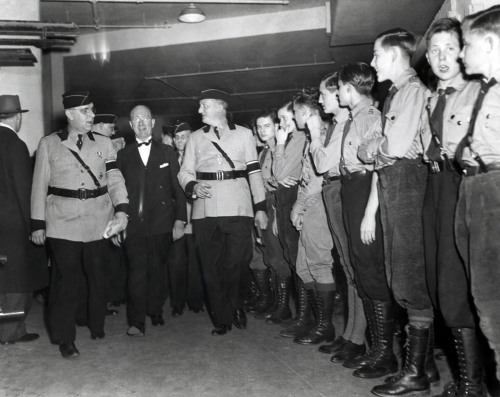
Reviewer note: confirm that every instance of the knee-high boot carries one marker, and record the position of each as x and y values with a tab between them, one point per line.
323	311
412	380
304	319
265	301
282	311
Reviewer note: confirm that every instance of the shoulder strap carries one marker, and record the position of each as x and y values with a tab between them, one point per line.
224	154
431	126
87	168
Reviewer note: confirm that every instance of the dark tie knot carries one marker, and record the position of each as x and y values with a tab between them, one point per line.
446	91
486	85
139	144
350	116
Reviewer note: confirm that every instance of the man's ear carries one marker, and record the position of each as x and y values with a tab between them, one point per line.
152	123
69	114
131	125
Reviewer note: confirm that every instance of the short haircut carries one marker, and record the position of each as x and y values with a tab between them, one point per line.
288	106
450	25
222	103
308	97
399	37
360	75
7	116
487	21
264	113
331	81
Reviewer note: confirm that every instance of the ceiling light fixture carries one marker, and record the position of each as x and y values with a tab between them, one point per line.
192	14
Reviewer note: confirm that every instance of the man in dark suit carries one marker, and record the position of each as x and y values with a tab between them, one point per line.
157	218
24	267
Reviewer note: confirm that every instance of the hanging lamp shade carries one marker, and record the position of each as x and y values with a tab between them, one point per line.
192	14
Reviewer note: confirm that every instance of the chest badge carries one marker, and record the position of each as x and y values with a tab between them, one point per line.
99	154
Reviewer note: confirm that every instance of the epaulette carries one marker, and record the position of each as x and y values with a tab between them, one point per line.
98	133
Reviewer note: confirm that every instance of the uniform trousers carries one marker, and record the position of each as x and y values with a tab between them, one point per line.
314	259
148	261
271	254
225	251
287	234
115	274
10	303
367	259
184	274
74	263
477	228
446	277
401	194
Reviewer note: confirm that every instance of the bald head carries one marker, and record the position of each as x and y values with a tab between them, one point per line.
141	122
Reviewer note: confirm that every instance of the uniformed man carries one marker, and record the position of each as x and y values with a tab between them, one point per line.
218	160
78	197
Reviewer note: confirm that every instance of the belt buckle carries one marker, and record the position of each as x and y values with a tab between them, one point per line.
220	175
82	194
434	166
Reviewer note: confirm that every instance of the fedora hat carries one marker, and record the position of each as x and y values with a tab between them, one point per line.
10	104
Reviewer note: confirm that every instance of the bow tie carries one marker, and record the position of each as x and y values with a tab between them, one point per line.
139	144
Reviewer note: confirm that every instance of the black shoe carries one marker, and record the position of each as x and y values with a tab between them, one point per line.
97	335
157	319
350	351
68	350
240	319
177	311
334	347
221	330
24	338
111	312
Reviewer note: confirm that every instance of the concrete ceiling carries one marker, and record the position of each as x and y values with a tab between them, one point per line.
125	81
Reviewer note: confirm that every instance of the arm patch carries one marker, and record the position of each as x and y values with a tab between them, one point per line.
253	166
111	165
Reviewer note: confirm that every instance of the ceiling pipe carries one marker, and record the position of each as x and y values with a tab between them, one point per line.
268	2
243	70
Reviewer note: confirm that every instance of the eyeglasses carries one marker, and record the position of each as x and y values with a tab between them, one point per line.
88	110
136	119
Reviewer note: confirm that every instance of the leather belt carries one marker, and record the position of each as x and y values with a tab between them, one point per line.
220	175
80	194
474	170
329	179
353	175
435	167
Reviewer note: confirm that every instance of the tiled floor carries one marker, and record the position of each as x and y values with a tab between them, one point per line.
180	359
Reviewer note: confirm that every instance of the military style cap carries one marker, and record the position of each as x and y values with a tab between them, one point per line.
10	104
215	94
105	118
73	99
182	127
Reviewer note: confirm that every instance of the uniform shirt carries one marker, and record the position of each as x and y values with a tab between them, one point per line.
287	160
366	124
456	116
70	218
266	162
310	187
486	137
328	158
189	207
402	123
230	197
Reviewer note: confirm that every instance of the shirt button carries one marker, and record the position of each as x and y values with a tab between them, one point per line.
83	184
488	116
459	122
452	116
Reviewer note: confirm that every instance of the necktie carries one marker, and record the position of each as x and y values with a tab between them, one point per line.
330	132
139	144
343	169
216	132
467	139
79	142
387	103
263	155
436	124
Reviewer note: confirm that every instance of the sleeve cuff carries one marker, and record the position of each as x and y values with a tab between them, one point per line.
124	207
260	206
190	188
37	224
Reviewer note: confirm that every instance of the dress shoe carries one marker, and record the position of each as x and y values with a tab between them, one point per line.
177	311
111	312
221	330
136	330
68	350
7	342
240	319
157	319
350	351
334	347
97	335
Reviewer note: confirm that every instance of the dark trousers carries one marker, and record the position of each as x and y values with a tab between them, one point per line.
477	229
184	274
287	234
115	270
401	194
225	250
367	260
147	260
10	303
446	277
75	263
